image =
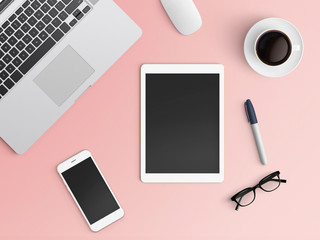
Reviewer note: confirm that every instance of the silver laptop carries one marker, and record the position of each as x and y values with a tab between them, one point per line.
51	52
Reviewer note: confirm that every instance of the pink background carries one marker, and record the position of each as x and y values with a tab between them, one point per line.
34	203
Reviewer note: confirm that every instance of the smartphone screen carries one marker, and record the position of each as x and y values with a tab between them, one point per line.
90	190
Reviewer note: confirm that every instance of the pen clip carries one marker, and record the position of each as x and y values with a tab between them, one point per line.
246	110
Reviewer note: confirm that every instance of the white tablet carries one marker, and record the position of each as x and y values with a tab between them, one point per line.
182	123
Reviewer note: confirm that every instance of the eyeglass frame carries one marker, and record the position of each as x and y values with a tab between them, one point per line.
259	185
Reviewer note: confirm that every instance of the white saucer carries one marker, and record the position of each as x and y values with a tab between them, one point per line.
273	24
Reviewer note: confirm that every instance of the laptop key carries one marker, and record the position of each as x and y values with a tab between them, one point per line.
86	9
6	24
7	58
38	14
16	76
57	35
46	19
19	34
26	4
9	31
59	6
37	55
73	22
32	21
35	5
65	27
3	90
16	24
12	41
20	9
56	22
50	29
53	12
33	32
23	55
73	6
16	62
5	47
22	18
3	38
25	27
43	35
40	26
63	16
13	17
36	42
29	11
8	83
30	48
1	54
20	45
10	68
26	39
14	52
45	8
4	75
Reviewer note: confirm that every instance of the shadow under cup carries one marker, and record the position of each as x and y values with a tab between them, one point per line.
273	47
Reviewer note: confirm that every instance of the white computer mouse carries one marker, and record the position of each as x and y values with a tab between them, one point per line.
183	14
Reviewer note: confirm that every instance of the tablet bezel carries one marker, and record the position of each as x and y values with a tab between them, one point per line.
181	68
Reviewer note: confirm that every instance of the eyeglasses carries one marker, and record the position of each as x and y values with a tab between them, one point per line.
267	184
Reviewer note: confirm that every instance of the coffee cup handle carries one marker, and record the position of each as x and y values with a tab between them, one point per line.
296	48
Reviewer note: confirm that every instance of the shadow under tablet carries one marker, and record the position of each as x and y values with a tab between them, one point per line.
182	123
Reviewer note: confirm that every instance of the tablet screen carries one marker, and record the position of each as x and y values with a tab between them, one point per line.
182	123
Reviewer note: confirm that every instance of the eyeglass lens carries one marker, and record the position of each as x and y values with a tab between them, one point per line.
245	197
270	184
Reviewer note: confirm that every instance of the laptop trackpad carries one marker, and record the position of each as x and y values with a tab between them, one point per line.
64	75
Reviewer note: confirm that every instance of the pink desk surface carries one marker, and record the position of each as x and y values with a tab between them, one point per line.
34	203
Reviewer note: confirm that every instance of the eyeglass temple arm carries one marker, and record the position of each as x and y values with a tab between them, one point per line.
238	205
281	180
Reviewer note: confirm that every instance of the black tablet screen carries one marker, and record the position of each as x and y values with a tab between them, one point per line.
182	123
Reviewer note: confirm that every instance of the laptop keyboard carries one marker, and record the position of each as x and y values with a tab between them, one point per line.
30	32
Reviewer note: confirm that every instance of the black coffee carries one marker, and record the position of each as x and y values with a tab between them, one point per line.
273	48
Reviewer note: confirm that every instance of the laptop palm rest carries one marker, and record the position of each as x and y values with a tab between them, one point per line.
64	75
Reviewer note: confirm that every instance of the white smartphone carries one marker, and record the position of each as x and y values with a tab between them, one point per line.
90	190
